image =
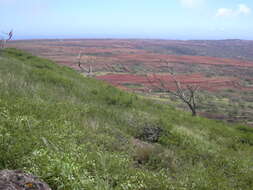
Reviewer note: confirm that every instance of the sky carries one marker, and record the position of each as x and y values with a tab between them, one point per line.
157	19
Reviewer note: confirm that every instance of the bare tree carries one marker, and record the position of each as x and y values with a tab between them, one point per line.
86	60
186	93
4	39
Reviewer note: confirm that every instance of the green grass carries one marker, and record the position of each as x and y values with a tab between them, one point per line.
132	85
79	133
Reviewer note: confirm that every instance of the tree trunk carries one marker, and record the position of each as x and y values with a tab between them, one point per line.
193	110
194	113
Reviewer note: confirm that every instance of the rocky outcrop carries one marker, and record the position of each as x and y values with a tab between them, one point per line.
151	134
18	180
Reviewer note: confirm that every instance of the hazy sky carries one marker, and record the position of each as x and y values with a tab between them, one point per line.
170	19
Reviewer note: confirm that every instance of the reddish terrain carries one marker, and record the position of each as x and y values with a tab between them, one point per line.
156	59
152	81
120	51
147	56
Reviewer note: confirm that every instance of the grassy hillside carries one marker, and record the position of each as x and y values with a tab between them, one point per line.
79	133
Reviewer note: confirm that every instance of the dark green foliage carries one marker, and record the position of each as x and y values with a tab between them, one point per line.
79	133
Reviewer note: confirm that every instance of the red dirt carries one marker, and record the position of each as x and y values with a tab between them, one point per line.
124	56
160	59
117	51
154	81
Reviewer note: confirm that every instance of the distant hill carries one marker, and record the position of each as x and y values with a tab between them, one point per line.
231	48
80	133
236	49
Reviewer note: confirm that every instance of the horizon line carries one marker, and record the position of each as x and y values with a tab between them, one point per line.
127	38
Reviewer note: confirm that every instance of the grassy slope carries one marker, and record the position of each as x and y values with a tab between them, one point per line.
79	133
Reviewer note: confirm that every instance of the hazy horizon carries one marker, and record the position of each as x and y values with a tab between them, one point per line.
112	37
129	19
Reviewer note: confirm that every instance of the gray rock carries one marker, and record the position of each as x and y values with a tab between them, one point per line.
151	134
18	180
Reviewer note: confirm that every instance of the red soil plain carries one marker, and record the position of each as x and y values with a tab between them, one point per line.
166	81
116	60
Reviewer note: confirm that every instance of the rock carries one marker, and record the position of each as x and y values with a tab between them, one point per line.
18	180
151	134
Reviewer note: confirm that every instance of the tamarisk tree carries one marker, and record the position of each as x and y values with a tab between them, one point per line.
187	93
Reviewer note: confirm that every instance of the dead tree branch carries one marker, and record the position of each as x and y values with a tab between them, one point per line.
186	93
4	39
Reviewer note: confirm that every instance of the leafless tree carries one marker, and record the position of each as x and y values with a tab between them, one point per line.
86	60
5	38
186	93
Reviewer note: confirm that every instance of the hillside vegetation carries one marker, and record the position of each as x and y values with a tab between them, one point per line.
78	133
